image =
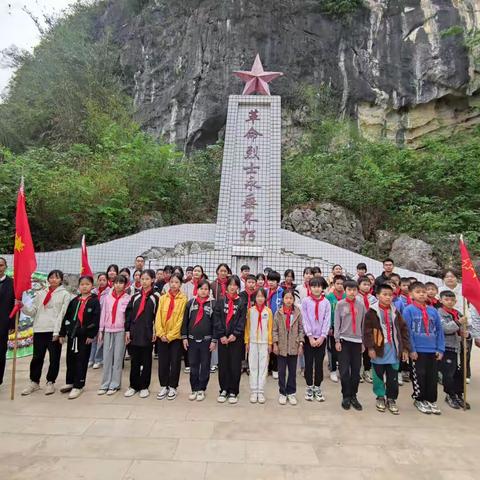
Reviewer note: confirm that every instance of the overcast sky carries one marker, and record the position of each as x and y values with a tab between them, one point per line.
17	28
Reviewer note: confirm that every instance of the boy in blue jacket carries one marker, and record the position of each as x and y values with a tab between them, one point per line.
274	302
427	348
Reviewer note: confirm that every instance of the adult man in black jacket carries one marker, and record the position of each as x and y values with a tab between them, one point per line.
388	267
7	301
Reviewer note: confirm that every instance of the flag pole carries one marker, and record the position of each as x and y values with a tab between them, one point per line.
14	360
464	344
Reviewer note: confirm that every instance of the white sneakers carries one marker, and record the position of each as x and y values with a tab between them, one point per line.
200	396
144	393
50	388
172	393
66	388
282	400
261	398
96	366
32	387
275	375
253	397
222	397
292	399
101	391
334	377
75	393
162	393
112	391
193	396
232	399
130	392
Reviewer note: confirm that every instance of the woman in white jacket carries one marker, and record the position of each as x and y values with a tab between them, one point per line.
47	310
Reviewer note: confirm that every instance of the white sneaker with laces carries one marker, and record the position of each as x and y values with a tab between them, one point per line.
253	398
222	397
130	392
318	395
112	391
75	393
292	399
282	399
50	388
162	393
172	394
101	391
261	398
96	366
200	396
32	387
334	377
232	399
309	393
144	393
193	396
275	375
434	408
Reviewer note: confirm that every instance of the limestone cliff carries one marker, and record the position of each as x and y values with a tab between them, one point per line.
391	64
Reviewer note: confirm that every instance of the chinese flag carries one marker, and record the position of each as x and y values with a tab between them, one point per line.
24	261
85	270
470	281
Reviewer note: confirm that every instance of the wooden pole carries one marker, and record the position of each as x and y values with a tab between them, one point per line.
14	364
464	343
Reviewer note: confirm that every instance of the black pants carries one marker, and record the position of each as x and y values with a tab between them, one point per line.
388	375
169	362
349	361
367	364
405	367
424	375
452	373
469	353
230	366
287	386
314	360
140	367
186	359
78	353
333	353
199	357
3	353
42	341
272	363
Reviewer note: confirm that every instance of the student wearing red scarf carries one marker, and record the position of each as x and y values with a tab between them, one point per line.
289	278
386	340
427	347
168	325
452	370
287	337
348	332
258	344
112	272
7	302
140	334
47	311
112	336
274	302
229	320
198	341
244	273
432	295
303	290
190	288
80	324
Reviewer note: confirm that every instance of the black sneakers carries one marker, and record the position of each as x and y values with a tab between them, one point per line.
355	403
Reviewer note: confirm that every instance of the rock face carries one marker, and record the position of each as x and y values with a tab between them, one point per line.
390	63
328	222
414	254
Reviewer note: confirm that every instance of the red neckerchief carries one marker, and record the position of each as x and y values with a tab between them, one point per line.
115	304
386	313
195	286
452	312
201	302
433	301
171	305
353	313
250	294
48	296
317	304
407	298
110	283
307	286
288	313
143	301
259	320
271	293
138	285
231	299
81	310
338	297
223	285
365	300
423	308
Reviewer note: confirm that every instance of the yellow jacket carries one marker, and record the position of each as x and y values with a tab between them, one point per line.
170	329
253	332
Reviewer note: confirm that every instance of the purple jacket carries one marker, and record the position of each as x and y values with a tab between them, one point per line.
311	326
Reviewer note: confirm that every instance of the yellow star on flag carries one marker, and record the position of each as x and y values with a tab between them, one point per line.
19	245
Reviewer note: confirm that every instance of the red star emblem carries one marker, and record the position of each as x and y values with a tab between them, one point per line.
257	79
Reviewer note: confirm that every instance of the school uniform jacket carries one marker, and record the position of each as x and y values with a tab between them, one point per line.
204	328
141	328
244	297
256	332
374	331
48	318
237	323
217	290
7	302
288	341
171	328
106	320
71	325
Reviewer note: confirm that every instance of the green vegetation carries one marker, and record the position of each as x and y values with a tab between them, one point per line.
340	7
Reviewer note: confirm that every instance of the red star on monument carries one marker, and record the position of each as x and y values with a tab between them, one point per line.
257	80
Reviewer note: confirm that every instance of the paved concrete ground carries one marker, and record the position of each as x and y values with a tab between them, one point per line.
119	438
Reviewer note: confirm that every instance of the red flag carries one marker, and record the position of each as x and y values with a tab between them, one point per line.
470	281
85	270
24	261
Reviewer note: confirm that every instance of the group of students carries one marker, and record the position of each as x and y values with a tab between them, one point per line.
256	323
